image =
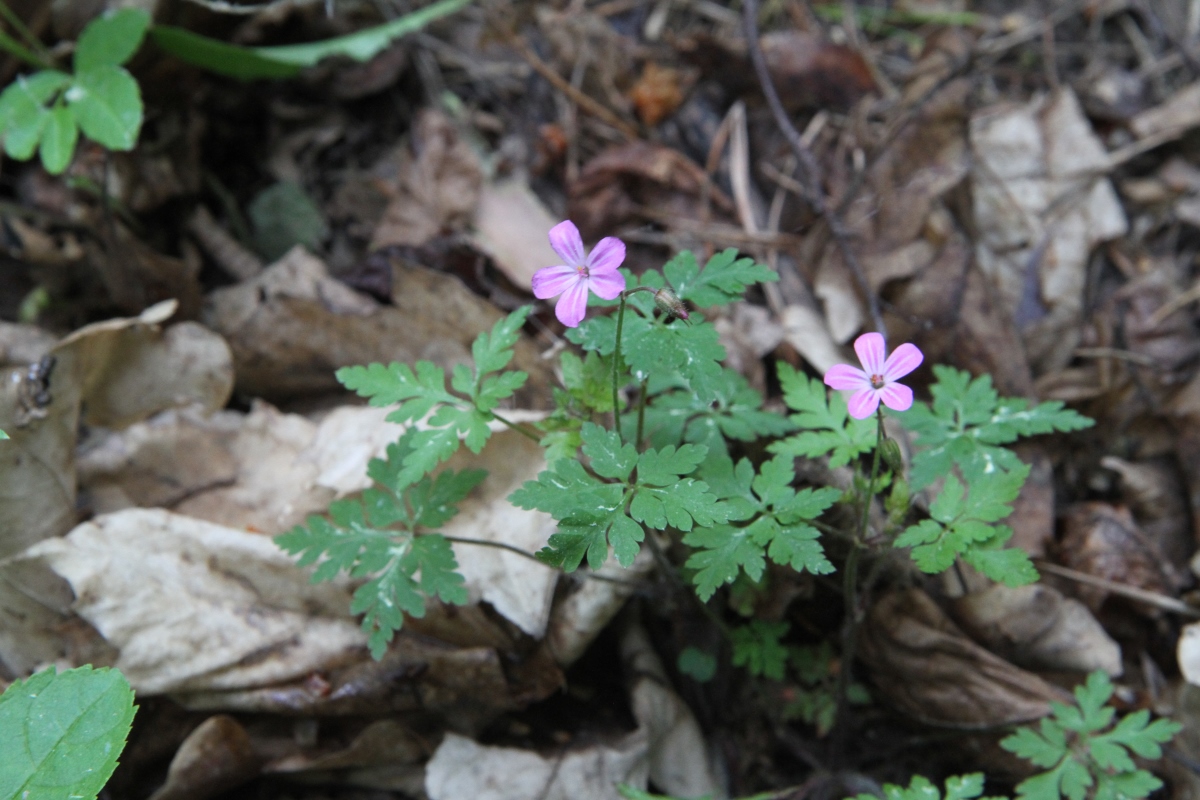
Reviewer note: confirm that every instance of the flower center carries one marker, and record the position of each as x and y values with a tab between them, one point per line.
583	272
877	382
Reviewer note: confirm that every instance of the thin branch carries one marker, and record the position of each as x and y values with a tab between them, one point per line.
1124	590
809	167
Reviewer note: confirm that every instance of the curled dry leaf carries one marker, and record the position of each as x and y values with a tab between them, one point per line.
117	371
191	605
383	755
420	679
924	665
1105	541
1037	627
214	758
293	326
1156	495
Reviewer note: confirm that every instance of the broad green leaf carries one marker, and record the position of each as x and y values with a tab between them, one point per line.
720	552
62	733
23	115
723	279
58	140
111	39
108	104
249	63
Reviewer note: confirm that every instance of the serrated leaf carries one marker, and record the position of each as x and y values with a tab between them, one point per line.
609	458
588	380
58	140
678	506
826	427
797	546
111	38
62	733
723	279
720	552
666	466
756	647
107	102
434	502
734	413
966	422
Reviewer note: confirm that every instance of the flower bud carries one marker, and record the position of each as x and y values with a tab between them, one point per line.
670	304
890	451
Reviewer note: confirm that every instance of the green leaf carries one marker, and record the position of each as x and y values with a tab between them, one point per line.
756	647
609	458
720	552
1098	753
964	787
697	664
735	413
678	506
23	115
722	280
108	104
280	62
966	422
58	140
588	380
62	733
826	427
666	466
434	502
111	39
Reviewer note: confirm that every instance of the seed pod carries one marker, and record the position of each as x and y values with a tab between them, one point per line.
670	304
890	451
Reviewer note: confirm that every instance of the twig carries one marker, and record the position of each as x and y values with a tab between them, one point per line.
809	167
1124	590
591	106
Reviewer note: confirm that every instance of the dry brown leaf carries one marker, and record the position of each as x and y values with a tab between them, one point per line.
293	326
437	185
384	755
1041	203
1177	114
214	758
1105	541
512	226
656	93
1037	627
617	182
924	665
191	605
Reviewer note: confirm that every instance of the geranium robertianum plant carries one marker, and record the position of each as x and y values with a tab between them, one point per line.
644	440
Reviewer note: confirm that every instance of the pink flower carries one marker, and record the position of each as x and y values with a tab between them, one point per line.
597	272
877	379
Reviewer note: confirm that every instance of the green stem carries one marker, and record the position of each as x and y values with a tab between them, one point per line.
616	368
13	47
641	426
521	429
850	598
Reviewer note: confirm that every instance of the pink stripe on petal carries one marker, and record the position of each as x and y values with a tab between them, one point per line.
607	284
572	306
904	360
897	396
566	241
870	351
606	256
552	281
844	376
863	403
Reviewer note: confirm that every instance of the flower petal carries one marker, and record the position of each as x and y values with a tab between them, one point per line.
607	284
844	376
897	396
566	241
572	306
863	403
554	280
903	360
870	351
606	256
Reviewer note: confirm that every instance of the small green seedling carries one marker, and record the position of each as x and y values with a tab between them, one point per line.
46	111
